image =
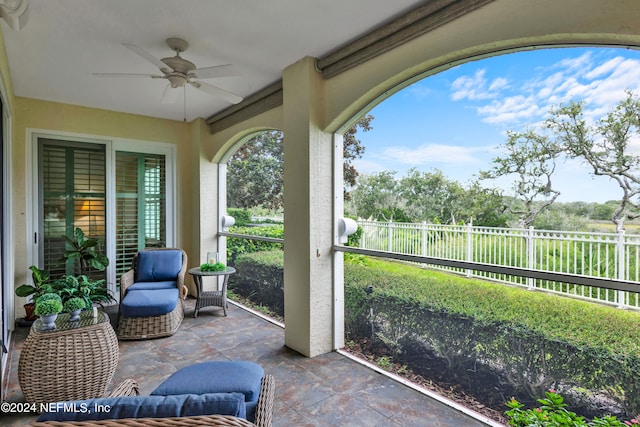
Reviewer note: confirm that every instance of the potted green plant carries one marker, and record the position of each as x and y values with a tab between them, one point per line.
84	250
41	285
74	306
83	287
47	307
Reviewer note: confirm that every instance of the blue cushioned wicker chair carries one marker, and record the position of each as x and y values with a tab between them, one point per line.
152	293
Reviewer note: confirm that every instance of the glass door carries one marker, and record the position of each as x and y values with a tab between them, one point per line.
72	195
141	209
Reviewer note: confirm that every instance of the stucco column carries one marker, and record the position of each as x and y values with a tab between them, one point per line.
205	191
308	207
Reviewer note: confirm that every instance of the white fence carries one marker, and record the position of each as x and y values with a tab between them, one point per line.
606	255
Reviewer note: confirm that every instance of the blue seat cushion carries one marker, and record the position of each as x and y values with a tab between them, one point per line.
217	377
153	266
144	303
147	406
163	284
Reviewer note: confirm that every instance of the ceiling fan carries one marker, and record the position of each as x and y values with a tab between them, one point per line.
180	72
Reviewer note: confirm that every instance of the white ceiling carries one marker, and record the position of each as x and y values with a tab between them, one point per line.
65	41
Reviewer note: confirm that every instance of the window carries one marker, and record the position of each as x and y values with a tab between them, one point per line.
140	205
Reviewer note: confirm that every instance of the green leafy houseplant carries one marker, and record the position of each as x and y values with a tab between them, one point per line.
41	284
84	250
88	290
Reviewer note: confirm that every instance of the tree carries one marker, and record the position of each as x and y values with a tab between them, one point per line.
353	149
606	147
482	206
377	196
430	196
532	158
255	173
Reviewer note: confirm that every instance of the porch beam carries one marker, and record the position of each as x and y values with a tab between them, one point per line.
413	24
427	17
261	101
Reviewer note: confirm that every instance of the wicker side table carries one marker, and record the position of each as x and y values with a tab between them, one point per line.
216	298
75	361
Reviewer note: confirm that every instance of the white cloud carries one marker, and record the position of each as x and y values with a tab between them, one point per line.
509	109
576	65
434	154
605	68
368	166
600	85
499	83
477	87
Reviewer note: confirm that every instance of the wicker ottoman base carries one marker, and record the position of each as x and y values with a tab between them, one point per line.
139	328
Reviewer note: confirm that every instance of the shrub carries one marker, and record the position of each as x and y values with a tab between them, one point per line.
553	412
48	304
73	304
533	340
260	278
242	216
240	246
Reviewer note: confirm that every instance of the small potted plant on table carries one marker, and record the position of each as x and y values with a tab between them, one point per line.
47	307
74	306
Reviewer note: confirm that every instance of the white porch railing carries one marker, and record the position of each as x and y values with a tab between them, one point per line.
604	255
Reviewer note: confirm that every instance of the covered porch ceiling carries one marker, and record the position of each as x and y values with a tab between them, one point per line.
64	42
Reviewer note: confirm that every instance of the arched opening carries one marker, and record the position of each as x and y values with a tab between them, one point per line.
418	320
254	244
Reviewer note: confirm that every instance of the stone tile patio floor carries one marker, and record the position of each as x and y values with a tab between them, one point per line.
327	390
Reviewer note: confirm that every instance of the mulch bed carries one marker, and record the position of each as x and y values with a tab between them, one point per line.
372	352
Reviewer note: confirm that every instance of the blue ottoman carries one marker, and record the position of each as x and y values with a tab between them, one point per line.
217	377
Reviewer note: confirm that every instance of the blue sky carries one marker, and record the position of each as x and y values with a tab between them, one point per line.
454	121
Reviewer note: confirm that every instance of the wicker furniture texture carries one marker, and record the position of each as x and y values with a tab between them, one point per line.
264	413
145	327
75	361
204	420
217	298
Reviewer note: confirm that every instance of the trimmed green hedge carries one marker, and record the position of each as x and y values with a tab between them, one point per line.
532	339
260	278
238	246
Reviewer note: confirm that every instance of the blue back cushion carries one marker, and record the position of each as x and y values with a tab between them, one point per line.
153	266
217	377
148	406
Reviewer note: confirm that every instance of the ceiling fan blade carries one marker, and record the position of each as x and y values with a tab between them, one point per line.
216	71
216	91
170	95
153	76
146	55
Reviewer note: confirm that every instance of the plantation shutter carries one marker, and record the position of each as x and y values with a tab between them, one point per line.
140	205
72	182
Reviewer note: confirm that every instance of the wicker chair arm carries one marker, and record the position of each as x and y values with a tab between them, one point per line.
202	420
183	270
264	409
126	280
127	387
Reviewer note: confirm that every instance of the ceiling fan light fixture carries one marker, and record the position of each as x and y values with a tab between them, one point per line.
179	72
177	80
